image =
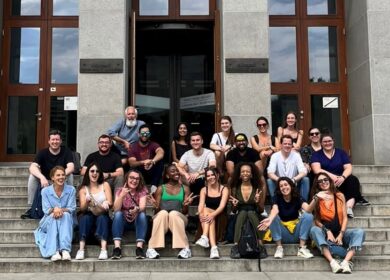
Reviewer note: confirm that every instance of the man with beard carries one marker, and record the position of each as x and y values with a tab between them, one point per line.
288	163
242	153
109	162
125	132
146	156
44	161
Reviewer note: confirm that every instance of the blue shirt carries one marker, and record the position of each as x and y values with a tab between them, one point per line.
334	165
130	134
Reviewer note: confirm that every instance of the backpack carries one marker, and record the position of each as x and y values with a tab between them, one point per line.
36	211
247	245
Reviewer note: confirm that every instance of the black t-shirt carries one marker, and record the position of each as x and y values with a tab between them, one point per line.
108	163
288	211
250	156
46	160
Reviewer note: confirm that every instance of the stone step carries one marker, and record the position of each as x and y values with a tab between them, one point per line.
14	170
19	180
378	178
13	200
372	188
18	224
378	198
370	222
13	212
372	210
128	250
359	169
195	264
287	264
14	190
129	264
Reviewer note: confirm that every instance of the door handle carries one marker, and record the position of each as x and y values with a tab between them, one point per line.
39	116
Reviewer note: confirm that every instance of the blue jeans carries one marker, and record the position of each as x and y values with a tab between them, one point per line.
301	232
119	225
88	220
353	238
303	186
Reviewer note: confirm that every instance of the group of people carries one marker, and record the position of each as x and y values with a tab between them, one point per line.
299	180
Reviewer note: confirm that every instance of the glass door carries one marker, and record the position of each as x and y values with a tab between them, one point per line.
175	81
40	72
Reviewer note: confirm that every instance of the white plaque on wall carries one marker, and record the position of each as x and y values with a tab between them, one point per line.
330	102
70	103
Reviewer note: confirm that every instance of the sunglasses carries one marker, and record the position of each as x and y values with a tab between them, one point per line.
314	133
261	125
145	134
323	181
94	171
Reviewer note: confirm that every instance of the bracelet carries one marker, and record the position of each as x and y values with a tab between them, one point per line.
342	232
344	177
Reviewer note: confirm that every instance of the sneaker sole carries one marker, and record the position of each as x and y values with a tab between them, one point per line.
202	246
116	257
139	257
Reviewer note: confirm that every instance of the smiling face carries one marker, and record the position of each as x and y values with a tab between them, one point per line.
262	125
104	145
327	143
182	130
133	180
245	173
225	125
93	174
287	145
211	177
291	120
196	142
55	142
130	113
323	182
173	173
58	177
285	188
314	135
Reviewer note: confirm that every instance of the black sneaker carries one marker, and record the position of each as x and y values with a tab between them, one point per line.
116	253
234	254
363	201
263	252
139	253
26	215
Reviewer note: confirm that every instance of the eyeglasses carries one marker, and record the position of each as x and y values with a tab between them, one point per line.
314	133
104	142
94	171
134	178
261	125
145	134
323	181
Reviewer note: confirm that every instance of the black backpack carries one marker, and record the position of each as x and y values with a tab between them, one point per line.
248	246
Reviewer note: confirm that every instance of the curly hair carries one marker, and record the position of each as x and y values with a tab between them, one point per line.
294	190
255	179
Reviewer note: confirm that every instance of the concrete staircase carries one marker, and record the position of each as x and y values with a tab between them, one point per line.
19	254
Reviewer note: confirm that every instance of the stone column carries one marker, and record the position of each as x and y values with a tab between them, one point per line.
246	96
103	33
368	51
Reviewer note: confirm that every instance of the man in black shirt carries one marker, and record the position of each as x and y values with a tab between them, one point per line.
44	161
108	161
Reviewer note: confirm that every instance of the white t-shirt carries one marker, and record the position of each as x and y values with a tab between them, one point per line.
197	163
289	167
221	140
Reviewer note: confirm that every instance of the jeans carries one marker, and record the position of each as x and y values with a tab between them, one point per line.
34	183
353	238
119	225
303	186
301	231
88	220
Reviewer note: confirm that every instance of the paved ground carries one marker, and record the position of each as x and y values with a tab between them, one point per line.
359	275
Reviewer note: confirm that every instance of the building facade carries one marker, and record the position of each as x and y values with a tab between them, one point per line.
75	65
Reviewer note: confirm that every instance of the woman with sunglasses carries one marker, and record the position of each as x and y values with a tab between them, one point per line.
129	207
95	200
330	218
171	202
307	151
290	127
212	214
264	143
222	142
336	163
285	222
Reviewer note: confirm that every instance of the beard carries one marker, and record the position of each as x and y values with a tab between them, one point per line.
131	123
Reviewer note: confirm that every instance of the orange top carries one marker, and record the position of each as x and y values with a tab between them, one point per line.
327	209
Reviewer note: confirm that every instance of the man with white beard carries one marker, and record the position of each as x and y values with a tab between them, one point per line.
125	132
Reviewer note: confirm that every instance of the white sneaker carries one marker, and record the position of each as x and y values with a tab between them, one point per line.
103	255
185	253
350	212
152	254
279	253
65	255
214	254
80	255
346	266
56	257
334	265
203	241
304	253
